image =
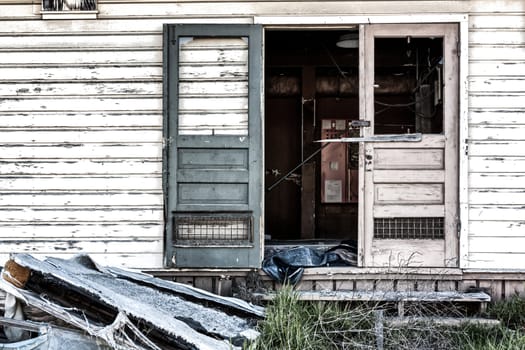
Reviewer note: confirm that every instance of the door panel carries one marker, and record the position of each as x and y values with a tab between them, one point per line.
410	188
214	165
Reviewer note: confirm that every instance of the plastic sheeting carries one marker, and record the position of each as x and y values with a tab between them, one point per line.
57	339
288	266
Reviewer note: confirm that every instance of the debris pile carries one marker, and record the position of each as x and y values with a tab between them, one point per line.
121	309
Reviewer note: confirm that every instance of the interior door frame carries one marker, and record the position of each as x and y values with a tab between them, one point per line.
451	128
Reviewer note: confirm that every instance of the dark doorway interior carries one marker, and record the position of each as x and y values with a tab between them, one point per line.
311	85
312	93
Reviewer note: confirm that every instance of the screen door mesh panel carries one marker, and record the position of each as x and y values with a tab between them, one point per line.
409	228
213	228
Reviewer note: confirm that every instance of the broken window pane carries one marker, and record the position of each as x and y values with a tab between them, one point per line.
213	86
408	85
69	5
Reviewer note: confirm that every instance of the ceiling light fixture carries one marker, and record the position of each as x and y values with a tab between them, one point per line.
348	41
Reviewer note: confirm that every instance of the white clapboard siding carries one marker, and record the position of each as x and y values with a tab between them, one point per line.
129	213
496	135
77	166
79	150
72	230
499	84
85	136
489	116
63	197
87	119
83	182
481	228
89	72
81	140
481	180
80	88
75	41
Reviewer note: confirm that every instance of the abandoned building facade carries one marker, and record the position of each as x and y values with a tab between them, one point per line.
162	135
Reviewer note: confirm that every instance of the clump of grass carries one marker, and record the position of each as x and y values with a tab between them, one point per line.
510	311
293	324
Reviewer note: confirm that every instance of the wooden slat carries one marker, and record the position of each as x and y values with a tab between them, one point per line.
408	158
498	84
497	100
409	176
83	151
370	295
501	36
497	212
496	116
73	230
85	182
404	253
93	71
497	132
514	288
496	68
82	104
216	193
497	196
131	260
87	245
497	244
81	57
409	194
81	214
10	135
42	197
497	21
496	180
54	40
486	228
388	211
81	88
71	166
497	148
501	260
497	164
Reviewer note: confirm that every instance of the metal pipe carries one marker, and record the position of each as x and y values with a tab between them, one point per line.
294	169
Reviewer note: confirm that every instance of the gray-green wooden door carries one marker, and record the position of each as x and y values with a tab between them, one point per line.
213	148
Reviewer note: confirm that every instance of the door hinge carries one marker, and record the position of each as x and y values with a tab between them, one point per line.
458	48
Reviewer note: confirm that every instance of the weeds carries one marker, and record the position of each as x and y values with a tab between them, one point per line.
293	324
510	311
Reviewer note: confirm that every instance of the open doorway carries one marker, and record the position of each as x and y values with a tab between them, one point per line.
312	93
317	88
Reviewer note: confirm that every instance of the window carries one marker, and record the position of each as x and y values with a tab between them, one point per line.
69	5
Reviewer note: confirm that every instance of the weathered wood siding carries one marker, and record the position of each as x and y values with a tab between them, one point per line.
81	121
81	138
497	135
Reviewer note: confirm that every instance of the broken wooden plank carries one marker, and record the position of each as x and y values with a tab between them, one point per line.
388	296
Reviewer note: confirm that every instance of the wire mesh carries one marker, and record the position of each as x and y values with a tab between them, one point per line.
214	228
409	228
